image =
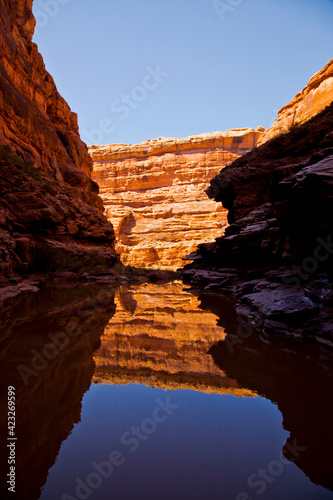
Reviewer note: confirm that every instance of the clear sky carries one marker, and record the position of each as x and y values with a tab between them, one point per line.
140	69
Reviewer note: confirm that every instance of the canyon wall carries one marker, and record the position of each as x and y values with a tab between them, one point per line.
276	255
154	193
50	211
317	94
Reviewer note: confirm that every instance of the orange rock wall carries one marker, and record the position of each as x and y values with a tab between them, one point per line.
35	120
50	212
154	193
314	98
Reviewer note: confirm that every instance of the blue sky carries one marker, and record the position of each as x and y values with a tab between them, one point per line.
139	69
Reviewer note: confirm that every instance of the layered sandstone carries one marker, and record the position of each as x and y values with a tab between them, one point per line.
312	100
160	337
154	193
49	205
35	120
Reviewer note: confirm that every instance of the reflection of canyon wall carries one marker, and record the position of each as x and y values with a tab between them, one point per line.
297	377
49	405
154	193
160	337
314	98
50	210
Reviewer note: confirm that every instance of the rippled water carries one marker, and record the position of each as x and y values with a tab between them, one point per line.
147	394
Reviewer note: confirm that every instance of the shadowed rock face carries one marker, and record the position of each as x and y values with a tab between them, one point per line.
276	255
46	191
48	400
154	193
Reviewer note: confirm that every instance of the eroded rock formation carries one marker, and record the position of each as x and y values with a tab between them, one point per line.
154	193
276	255
314	98
50	211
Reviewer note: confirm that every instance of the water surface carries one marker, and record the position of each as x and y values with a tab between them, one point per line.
145	400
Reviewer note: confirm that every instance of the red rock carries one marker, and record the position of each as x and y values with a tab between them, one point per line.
314	98
154	193
46	190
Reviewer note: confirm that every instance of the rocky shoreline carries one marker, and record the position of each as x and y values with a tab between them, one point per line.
17	284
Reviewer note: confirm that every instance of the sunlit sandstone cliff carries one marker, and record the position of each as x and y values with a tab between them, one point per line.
49	205
317	94
160	337
154	193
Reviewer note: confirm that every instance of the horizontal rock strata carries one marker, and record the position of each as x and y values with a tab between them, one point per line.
160	337
154	193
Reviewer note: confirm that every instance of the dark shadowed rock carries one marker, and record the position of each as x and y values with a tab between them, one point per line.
280	238
46	190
